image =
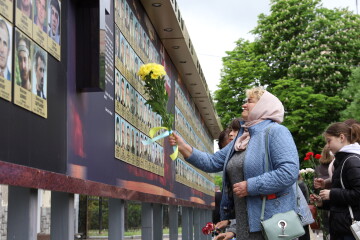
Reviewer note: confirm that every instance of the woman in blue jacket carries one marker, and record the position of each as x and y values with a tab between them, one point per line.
245	181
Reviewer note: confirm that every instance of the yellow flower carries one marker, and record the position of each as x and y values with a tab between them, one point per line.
153	70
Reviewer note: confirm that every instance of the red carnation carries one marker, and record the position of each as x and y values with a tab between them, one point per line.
206	231
307	158
210	226
317	156
309	154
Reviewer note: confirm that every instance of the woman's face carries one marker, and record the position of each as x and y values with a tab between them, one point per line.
335	143
248	106
233	134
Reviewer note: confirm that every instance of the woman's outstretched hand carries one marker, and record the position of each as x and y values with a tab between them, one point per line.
184	148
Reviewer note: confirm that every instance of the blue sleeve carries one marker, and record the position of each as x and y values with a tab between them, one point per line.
209	162
284	162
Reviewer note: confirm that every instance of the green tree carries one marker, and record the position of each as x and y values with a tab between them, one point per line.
301	39
279	34
302	52
218	181
242	69
309	113
330	48
352	94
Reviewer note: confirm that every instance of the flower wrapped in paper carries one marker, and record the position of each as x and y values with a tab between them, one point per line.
154	77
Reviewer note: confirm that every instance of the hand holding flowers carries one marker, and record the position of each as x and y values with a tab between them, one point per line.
154	77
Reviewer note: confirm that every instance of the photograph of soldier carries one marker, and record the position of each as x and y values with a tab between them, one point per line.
140	109
25	7
144	42
24	16
123	134
127	96
22	70
117	85
40	14
137	143
136	110
149	112
141	145
132	61
152	153
5	59
127	16
132	145
127	55
122	49
122	91
128	139
157	157
117	42
122	11
137	33
147	46
5	49
131	24
39	83
162	156
117	130
132	101
133	140
54	13
138	77
136	66
23	61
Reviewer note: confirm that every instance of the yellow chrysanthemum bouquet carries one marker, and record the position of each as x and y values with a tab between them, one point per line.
154	77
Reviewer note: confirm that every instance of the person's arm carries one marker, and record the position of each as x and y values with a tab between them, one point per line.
202	160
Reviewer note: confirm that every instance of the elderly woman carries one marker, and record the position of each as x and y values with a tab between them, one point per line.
245	181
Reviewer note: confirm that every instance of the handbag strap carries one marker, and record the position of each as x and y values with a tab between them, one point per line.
342	185
267	169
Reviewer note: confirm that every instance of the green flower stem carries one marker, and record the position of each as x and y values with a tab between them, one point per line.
158	99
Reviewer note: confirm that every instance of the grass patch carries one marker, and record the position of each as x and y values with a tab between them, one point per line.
131	232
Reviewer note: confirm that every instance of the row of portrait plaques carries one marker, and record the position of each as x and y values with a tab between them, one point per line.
29	30
26	71
187	112
191	177
38	19
134	118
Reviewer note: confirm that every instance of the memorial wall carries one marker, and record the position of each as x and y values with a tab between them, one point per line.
95	134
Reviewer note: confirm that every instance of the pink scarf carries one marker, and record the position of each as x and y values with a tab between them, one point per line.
268	107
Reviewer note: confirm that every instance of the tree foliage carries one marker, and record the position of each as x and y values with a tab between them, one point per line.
304	54
309	112
242	69
352	93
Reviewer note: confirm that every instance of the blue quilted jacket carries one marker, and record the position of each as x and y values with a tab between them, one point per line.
280	179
